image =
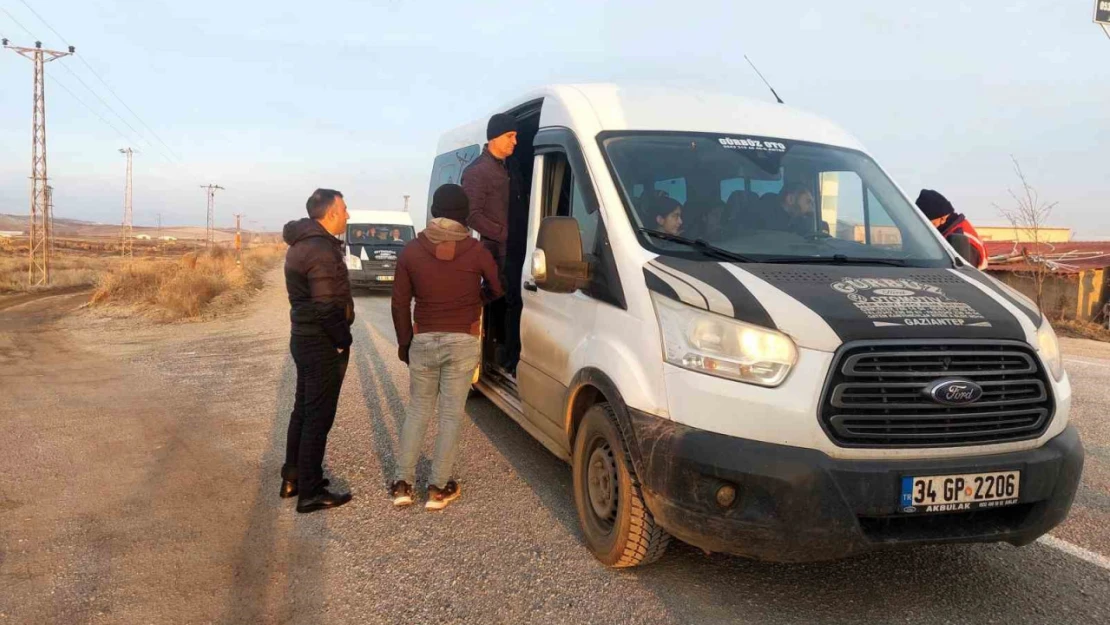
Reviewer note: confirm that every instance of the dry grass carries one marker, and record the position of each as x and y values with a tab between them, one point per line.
66	271
1081	330
202	283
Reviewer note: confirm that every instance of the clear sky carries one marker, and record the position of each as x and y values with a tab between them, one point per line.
273	99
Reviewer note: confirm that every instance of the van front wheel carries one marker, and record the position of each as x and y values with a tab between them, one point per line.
619	528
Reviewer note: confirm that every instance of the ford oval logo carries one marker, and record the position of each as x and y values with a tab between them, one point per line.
954	392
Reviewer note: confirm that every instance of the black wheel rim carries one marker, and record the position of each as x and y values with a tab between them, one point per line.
602	483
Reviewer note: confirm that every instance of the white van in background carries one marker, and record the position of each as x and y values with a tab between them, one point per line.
791	365
372	242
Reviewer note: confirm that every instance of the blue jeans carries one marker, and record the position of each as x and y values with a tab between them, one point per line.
441	365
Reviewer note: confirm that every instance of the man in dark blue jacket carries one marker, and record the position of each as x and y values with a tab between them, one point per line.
321	311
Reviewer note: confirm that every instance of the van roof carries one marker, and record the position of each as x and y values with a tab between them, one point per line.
400	218
595	108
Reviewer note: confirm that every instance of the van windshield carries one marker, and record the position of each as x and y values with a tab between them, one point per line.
378	234
766	200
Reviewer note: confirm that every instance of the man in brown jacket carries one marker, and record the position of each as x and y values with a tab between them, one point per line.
321	311
443	269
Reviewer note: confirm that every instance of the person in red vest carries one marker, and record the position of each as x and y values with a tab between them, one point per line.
940	211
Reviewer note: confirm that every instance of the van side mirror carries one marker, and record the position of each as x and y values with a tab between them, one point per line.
962	244
557	264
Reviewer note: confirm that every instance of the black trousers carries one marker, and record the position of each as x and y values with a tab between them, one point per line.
511	274
320	373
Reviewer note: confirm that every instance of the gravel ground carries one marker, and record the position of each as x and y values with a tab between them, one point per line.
140	477
1088	365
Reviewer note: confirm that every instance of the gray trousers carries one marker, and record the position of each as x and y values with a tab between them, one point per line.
441	365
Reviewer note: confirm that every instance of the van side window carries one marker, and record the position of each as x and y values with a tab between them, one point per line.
563	198
674	188
854	213
448	167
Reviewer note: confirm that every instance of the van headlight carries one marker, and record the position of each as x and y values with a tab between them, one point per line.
709	343
354	263
1049	347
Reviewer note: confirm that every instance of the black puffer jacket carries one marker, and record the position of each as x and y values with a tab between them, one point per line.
316	279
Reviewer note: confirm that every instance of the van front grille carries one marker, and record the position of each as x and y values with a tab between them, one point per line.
877	395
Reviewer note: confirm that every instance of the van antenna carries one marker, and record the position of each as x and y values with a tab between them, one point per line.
763	79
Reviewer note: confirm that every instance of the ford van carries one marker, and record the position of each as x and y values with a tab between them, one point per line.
741	333
373	241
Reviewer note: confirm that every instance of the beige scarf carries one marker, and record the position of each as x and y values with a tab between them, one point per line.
443	230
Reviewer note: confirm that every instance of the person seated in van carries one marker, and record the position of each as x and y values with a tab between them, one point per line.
396	236
709	220
661	212
745	212
443	270
944	216
797	204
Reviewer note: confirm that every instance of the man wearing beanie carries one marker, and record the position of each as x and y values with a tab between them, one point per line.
442	269
944	216
488	183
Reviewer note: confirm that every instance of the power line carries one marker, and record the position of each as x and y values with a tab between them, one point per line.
91	109
106	105
105	83
12	18
61	84
90	89
140	119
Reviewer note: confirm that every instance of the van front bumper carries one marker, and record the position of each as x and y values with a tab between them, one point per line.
799	505
372	278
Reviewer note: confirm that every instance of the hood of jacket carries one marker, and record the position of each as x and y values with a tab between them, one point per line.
951	223
305	228
445	239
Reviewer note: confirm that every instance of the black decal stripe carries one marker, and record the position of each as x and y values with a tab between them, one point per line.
982	278
715	300
654	283
745	306
700	302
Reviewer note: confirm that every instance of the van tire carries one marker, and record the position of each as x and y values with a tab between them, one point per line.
624	533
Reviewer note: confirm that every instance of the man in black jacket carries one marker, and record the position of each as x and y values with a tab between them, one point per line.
489	185
321	311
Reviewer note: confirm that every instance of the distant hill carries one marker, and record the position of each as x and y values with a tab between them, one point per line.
78	228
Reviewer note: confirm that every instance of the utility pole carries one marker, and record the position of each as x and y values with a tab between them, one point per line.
210	231
38	268
238	240
126	239
407	202
159	226
49	222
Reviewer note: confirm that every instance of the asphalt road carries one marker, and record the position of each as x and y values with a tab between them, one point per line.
139	477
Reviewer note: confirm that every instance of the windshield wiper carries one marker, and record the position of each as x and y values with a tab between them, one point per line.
698	244
835	259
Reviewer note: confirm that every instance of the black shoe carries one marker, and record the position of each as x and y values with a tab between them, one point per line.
438	498
401	493
289	487
323	500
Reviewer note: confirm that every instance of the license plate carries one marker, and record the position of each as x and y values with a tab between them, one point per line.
384	278
959	493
